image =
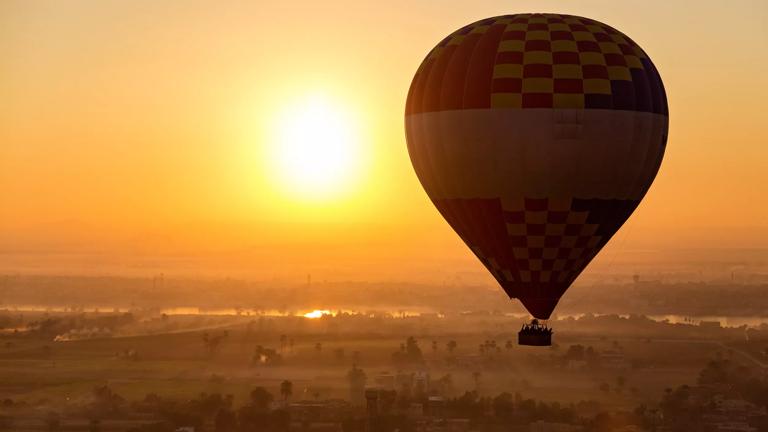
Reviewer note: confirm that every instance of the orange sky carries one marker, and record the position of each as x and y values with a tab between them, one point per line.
136	136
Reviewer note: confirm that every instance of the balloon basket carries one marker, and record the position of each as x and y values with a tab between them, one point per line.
535	334
534	340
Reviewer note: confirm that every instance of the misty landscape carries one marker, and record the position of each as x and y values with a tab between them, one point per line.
162	354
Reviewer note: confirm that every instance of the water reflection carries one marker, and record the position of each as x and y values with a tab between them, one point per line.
314	313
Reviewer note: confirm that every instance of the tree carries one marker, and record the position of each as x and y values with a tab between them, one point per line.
620	382
105	401
261	398
504	406
53	421
339	354
451	345
286	390
266	356
716	372
649	418
225	421
681	412
575	352
444	385
209	404
468	405
357	380
476	377
212	343
94	425
412	349
409	353
6	423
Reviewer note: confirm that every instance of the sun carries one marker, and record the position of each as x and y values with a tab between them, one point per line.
316	150
317	314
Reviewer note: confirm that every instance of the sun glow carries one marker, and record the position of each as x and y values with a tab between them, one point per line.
316	152
316	314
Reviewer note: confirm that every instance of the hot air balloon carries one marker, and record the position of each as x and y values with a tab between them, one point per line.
536	136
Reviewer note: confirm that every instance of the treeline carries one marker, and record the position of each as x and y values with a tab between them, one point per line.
257	414
262	412
641	297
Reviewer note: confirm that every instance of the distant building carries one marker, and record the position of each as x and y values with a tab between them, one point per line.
404	380
379	402
372	403
357	380
387	400
421	383
385	380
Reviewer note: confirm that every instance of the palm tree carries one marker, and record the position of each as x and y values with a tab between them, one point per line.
620	382
476	377
260	399
357	380
339	354
286	390
451	345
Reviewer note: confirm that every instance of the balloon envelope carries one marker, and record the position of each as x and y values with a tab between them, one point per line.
536	136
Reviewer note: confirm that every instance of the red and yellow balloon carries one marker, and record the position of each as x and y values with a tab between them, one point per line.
536	136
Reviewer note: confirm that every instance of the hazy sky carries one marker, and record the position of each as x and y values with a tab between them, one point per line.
140	136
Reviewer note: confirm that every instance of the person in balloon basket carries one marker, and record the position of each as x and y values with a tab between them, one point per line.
535	333
535	328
